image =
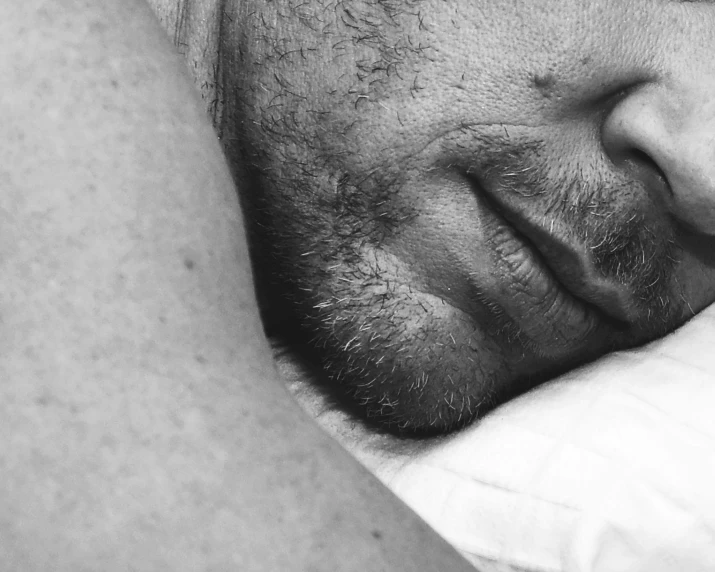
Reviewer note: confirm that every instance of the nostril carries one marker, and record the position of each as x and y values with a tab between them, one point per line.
637	165
663	138
635	139
647	170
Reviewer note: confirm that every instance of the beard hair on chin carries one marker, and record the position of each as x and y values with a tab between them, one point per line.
389	348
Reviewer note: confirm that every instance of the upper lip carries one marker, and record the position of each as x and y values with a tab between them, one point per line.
571	263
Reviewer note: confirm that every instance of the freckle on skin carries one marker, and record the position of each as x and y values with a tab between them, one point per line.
108	442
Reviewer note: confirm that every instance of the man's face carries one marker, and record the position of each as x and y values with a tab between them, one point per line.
463	197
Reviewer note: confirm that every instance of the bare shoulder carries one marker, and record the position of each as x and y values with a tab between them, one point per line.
142	421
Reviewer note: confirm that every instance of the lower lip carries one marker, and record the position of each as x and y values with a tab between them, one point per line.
554	322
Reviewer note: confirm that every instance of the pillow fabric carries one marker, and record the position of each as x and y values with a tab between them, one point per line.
610	468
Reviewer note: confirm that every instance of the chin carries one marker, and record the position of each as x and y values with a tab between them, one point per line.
413	363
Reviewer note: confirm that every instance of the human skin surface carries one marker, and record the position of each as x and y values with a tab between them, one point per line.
143	424
457	200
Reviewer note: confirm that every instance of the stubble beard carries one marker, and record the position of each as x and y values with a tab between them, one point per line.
406	358
321	235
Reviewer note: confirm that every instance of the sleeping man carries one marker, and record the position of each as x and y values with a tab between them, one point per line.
456	200
453	200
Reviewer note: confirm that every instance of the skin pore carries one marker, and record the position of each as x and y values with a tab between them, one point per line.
456	200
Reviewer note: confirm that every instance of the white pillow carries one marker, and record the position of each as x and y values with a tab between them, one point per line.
610	468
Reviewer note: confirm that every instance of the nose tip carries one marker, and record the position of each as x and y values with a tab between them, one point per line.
666	138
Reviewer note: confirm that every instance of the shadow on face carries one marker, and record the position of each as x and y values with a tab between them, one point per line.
456	200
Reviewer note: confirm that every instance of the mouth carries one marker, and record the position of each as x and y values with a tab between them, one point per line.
568	259
546	282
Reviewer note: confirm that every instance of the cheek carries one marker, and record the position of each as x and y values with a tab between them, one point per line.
445	241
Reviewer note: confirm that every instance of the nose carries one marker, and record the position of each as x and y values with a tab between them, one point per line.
664	135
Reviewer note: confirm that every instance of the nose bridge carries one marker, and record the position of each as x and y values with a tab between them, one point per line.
665	133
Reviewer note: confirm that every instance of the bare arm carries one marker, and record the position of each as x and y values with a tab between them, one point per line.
142	422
